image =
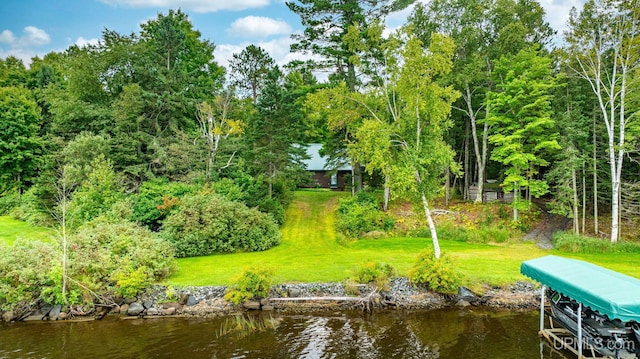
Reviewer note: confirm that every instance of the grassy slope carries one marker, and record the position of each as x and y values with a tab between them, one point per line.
11	229
309	252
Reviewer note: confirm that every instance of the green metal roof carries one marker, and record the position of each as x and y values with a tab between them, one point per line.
611	293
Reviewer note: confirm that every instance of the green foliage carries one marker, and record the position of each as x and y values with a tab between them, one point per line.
206	223
573	243
156	199
29	272
374	272
121	257
130	284
20	145
97	194
360	214
7	203
32	207
484	234
253	283
441	275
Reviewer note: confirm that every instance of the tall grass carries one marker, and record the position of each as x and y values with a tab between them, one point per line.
572	243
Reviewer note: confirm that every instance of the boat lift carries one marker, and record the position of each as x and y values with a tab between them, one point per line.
600	290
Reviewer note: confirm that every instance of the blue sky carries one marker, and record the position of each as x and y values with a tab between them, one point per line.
35	27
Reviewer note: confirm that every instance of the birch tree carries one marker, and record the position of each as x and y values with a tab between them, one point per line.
405	117
604	39
216	126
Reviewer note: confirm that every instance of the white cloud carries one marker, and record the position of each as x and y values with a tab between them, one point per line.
201	6
35	37
258	26
82	42
7	37
557	12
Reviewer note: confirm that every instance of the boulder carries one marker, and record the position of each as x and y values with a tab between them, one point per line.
55	312
169	311
191	301
62	316
294	292
130	300
267	307
463	303
135	308
147	304
174	305
152	311
251	305
124	308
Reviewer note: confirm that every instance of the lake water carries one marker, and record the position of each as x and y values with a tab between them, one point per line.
447	333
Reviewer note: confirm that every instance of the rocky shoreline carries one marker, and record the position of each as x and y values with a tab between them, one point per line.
163	301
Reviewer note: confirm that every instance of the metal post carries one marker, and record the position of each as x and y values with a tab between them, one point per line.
542	290
579	330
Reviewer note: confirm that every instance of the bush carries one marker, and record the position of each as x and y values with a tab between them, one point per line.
120	257
32	207
154	200
29	272
461	233
206	223
253	283
440	275
572	243
7	203
374	272
361	214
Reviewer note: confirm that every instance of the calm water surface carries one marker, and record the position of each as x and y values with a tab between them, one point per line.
444	334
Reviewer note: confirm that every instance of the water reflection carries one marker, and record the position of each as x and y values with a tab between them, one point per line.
441	334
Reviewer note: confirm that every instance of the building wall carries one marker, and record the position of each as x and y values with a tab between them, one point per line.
322	179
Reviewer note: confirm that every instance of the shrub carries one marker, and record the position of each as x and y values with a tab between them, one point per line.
374	272
360	214
29	272
32	206
253	283
120	257
153	201
7	203
572	243
206	223
440	275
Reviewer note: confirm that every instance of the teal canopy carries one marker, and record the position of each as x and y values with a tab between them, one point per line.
611	293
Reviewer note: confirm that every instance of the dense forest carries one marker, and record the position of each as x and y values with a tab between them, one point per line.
146	136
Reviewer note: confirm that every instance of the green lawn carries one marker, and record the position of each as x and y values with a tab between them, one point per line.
309	252
11	229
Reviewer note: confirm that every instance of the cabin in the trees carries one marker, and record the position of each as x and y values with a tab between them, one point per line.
491	191
322	175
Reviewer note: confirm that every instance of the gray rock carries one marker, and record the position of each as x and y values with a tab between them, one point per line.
45	310
463	303
130	300
267	307
294	292
135	308
251	305
55	312
152	311
191	301
466	293
62	316
124	308
147	304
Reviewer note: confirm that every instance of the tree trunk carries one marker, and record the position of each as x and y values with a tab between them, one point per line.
481	158
427	214
387	193
516	196
467	167
576	218
595	178
446	187
584	198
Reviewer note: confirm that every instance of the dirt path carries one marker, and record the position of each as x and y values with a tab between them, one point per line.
547	227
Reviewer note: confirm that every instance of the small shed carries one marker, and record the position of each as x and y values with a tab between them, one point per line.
322	175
